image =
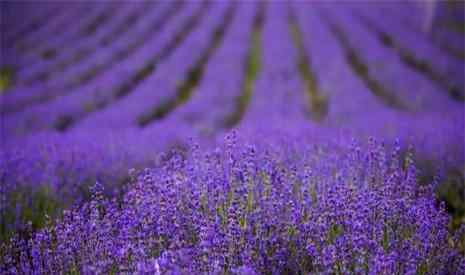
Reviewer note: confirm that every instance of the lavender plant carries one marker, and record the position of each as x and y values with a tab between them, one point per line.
242	208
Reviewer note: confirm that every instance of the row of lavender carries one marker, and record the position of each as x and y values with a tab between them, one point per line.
266	220
103	91
279	207
98	99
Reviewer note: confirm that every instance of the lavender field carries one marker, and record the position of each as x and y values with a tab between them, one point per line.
232	137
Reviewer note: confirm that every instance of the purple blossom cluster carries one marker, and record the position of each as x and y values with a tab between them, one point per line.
240	208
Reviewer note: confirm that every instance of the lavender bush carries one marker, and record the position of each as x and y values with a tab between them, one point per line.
241	208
